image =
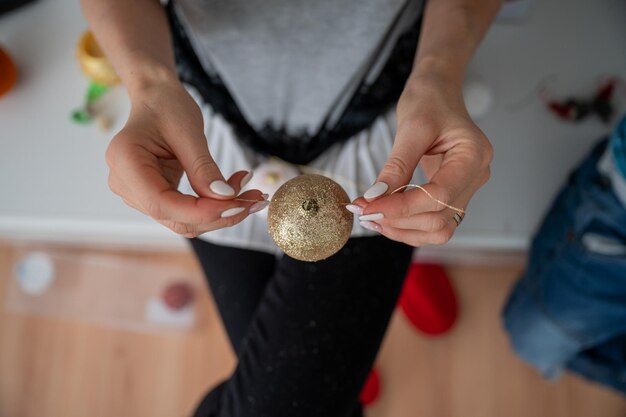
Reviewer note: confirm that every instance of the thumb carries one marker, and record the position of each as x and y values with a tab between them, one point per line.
202	171
405	154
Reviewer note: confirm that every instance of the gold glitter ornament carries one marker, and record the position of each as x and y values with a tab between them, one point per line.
307	217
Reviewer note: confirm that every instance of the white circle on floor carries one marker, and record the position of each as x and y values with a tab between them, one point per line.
35	273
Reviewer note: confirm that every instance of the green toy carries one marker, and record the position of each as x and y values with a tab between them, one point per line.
87	113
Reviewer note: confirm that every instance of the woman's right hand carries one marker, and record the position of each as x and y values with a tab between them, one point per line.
164	137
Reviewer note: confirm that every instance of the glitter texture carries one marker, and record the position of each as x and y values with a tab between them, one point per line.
307	217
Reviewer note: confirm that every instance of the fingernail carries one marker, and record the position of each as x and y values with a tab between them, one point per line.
246	179
353	208
371	226
373	216
376	190
232	211
221	188
265	196
258	206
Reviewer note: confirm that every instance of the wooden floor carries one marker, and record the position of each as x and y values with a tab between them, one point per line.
64	368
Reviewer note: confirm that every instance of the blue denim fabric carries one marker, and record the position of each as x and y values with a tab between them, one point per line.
568	310
618	146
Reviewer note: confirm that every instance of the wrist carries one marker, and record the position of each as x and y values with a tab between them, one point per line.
433	87
146	75
436	70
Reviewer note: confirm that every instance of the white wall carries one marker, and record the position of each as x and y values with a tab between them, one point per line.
53	176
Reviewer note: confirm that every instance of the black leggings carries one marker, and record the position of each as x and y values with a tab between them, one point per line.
306	334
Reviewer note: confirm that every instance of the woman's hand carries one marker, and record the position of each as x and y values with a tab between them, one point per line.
434	129
163	138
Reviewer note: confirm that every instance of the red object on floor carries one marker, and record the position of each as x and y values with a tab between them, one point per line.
177	295
428	299
371	389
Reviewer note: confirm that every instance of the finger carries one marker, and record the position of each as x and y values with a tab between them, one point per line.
130	204
426	222
228	217
206	210
451	188
418	238
411	142
182	229
239	180
154	195
358	205
189	231
411	202
186	230
430	164
192	151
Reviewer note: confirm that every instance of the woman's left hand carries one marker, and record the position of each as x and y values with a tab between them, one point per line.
435	130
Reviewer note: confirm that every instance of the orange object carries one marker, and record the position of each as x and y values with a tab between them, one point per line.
8	72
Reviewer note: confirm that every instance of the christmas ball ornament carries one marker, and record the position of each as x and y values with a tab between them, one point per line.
307	217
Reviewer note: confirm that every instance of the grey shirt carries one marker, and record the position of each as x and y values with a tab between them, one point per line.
295	64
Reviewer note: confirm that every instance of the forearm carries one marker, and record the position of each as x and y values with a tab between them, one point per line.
136	39
451	32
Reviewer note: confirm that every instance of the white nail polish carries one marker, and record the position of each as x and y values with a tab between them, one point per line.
221	188
232	211
373	216
376	190
265	196
246	179
371	226
353	208
258	206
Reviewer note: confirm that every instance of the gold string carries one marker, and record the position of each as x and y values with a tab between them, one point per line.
307	169
251	201
456	209
363	187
